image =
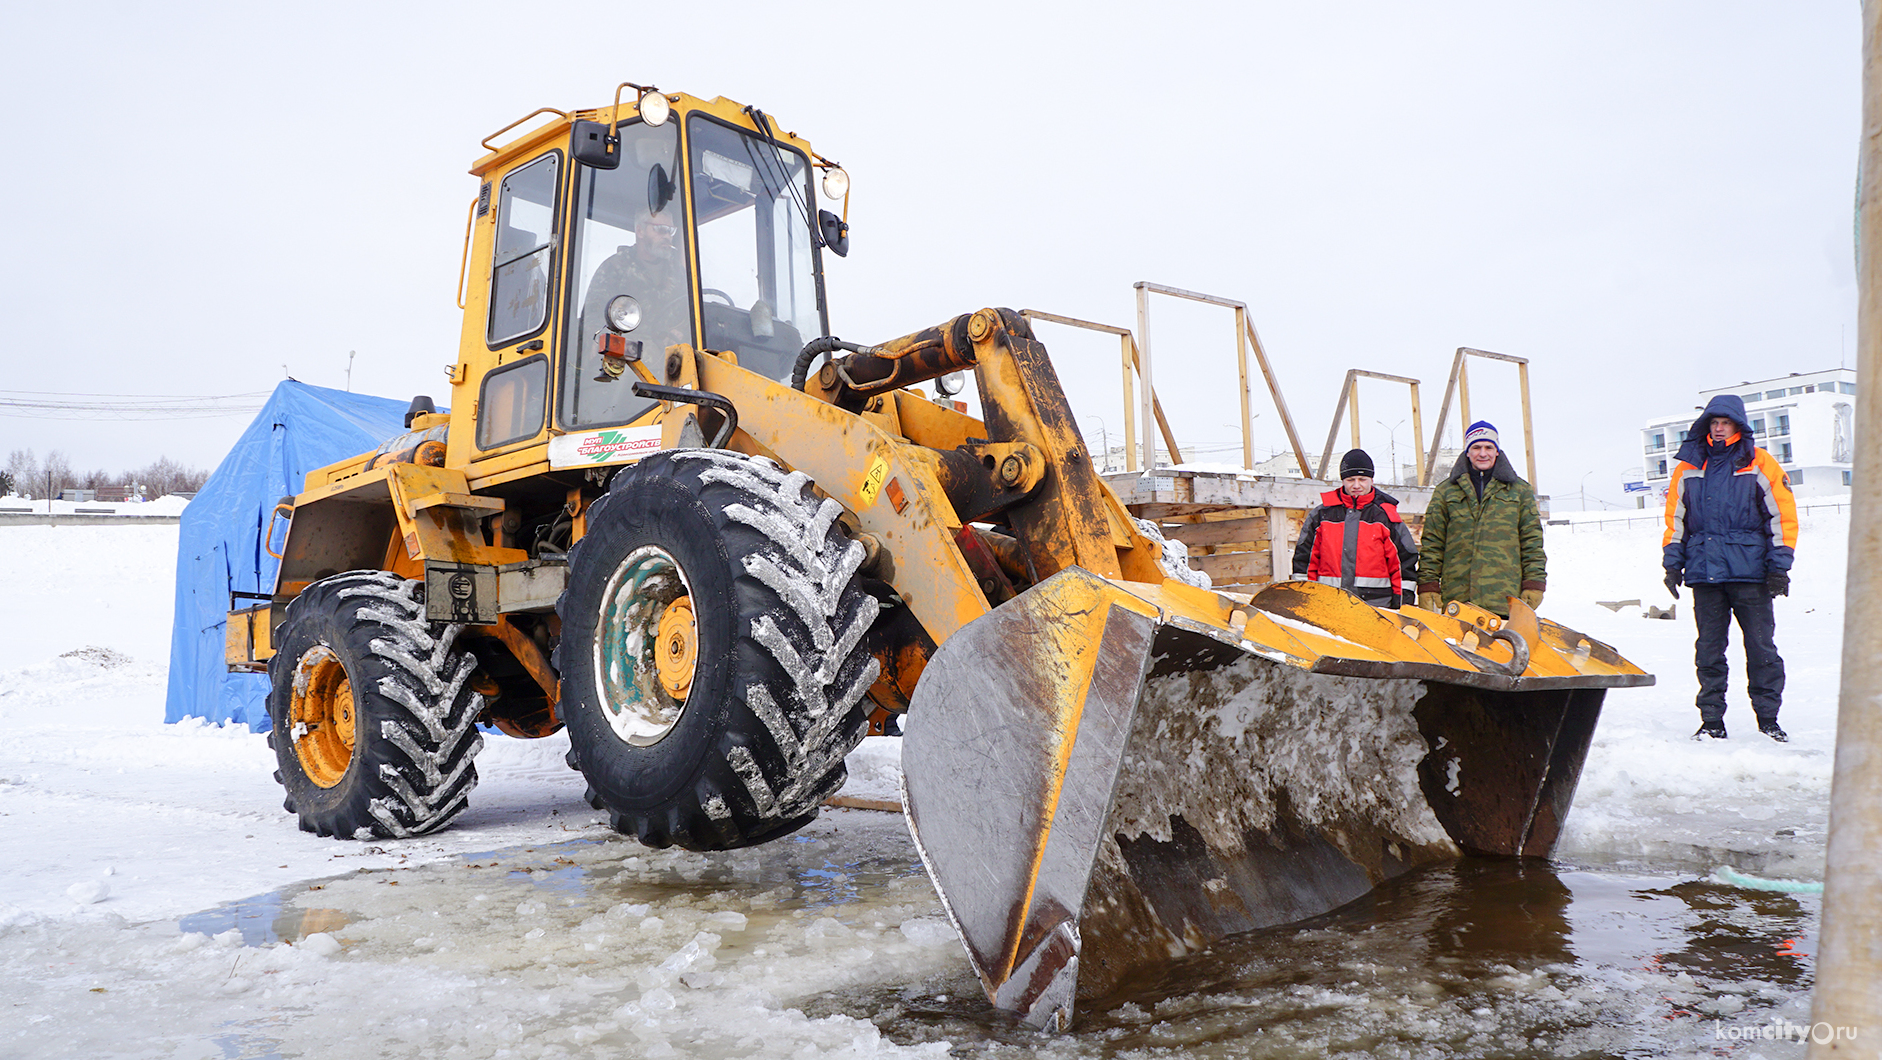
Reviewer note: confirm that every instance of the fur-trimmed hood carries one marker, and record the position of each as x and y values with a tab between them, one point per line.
1694	449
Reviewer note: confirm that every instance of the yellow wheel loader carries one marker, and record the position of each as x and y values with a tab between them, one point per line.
667	511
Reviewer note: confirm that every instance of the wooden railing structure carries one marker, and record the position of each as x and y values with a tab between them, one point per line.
1240	527
1459	386
1349	406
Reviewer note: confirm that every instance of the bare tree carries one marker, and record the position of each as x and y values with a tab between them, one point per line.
57	471
25	474
165	475
23	470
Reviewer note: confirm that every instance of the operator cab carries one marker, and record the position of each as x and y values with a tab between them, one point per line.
756	292
697	224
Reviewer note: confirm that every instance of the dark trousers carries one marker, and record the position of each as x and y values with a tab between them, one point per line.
1714	607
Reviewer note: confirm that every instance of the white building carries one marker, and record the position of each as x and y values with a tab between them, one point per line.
1804	419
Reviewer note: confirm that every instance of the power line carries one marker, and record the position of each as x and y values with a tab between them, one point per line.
52	405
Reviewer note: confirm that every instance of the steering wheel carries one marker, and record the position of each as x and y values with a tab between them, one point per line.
724	299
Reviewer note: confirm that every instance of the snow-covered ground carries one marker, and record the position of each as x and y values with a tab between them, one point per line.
114	827
165	505
1650	795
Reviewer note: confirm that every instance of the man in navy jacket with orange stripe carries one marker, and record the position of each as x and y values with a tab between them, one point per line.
1356	540
1731	531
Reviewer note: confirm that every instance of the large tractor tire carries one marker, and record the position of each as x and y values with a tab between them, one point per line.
374	723
711	652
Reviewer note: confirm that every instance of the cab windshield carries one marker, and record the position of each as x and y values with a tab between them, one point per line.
630	239
757	274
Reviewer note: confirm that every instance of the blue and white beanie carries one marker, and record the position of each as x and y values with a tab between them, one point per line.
1482	431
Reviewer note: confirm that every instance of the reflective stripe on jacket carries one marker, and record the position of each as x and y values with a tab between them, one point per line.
1360	545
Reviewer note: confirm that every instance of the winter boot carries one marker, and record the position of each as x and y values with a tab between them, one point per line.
1768	726
1714	730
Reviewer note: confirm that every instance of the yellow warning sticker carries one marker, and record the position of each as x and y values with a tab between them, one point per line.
872	482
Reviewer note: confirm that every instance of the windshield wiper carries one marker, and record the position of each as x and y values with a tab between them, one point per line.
790	186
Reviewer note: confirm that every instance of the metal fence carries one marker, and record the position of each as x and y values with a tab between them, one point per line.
1655	518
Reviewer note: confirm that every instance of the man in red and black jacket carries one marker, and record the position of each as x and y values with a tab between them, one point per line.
1356	540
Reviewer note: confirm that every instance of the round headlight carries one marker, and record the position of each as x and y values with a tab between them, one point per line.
950	384
623	313
836	183
654	109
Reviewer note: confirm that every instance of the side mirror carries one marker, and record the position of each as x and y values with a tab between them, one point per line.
595	145
835	232
659	189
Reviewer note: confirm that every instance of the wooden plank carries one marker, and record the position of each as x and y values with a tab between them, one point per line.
863	802
1160	512
1223	532
1284	531
1219	491
1237	567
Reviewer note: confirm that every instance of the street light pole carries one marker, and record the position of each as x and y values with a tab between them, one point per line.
1391	447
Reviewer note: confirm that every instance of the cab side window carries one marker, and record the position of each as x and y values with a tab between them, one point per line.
521	266
510	407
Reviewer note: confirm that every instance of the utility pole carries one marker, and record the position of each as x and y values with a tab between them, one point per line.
350	354
1849	961
1391	447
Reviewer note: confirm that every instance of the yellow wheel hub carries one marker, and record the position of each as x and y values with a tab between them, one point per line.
678	647
320	719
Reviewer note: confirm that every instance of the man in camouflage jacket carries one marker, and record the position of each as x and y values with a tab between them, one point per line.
1482	541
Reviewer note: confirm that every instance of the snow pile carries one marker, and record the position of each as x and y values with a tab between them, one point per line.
875	769
168	504
70	587
1256	747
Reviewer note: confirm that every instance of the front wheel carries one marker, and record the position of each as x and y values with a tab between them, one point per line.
374	726
711	652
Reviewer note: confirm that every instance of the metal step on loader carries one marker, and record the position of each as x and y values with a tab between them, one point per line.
667	511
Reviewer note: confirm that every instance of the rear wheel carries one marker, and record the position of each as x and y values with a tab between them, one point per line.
711	652
374	721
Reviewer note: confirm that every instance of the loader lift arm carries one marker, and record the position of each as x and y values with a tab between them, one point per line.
1070	518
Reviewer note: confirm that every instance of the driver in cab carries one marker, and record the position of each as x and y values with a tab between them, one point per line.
653	270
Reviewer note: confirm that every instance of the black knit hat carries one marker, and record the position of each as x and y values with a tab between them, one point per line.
1355	462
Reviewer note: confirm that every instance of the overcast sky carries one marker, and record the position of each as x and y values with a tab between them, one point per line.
1644	199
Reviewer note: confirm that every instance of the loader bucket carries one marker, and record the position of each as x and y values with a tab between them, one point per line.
1102	776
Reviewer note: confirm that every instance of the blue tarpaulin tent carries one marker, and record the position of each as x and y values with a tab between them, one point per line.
219	548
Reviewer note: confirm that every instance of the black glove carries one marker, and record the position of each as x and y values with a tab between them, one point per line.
1675	577
1777	583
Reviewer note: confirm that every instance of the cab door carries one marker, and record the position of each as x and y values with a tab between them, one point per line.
519	326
